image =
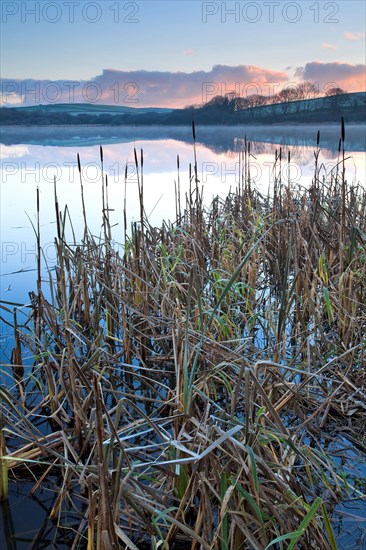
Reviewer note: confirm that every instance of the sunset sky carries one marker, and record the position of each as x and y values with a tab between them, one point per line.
174	53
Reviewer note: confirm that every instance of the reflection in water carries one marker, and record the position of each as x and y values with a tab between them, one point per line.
35	157
31	163
220	139
25	521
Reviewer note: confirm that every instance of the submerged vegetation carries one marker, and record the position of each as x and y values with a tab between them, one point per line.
180	394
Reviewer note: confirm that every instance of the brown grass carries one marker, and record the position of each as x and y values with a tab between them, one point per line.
185	383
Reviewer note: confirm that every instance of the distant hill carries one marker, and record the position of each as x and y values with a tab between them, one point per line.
76	109
228	112
318	110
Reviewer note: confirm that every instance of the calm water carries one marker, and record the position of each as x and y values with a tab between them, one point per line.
34	157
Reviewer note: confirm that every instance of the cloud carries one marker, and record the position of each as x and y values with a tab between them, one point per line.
353	35
8	98
351	78
188	52
143	88
13	151
178	89
327	46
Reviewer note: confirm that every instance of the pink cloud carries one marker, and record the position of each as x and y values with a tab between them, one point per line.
353	36
327	46
142	88
351	78
167	89
188	52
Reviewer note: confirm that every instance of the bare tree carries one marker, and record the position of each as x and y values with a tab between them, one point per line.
334	91
257	100
287	94
218	101
307	90
241	103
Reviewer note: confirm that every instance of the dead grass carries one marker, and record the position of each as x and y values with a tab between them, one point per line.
183	384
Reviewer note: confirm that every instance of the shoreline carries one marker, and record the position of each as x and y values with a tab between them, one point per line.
188	125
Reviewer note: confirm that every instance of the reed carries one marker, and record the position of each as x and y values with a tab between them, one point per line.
4	487
184	383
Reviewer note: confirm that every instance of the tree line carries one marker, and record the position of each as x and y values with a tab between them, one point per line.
219	110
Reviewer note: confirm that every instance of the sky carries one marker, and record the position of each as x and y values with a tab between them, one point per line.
174	53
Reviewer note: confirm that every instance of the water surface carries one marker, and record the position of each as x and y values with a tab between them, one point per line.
35	157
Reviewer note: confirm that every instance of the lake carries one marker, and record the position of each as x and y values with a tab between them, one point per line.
35	157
